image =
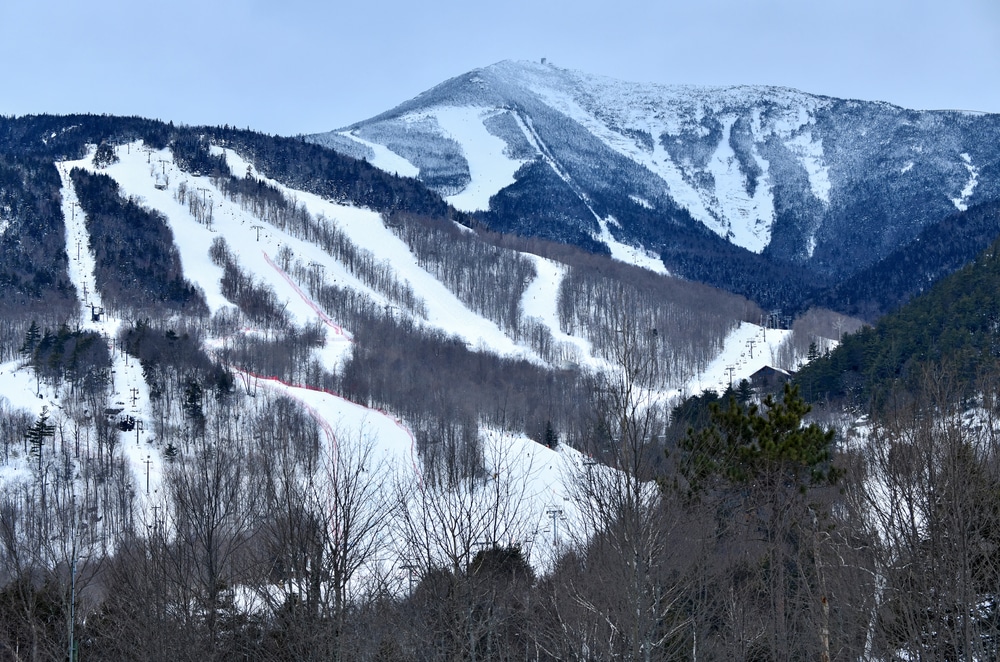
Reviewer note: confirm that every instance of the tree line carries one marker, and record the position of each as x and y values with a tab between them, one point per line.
136	262
34	283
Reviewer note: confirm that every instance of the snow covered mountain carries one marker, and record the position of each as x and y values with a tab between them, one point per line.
684	177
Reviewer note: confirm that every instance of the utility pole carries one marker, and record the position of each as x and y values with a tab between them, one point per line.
730	369
147	462
258	228
72	590
556	513
750	344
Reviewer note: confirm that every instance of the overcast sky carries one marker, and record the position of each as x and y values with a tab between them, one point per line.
304	66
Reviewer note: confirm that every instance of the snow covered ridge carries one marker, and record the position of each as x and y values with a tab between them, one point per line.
769	169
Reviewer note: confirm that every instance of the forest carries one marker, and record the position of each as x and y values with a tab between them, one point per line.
735	533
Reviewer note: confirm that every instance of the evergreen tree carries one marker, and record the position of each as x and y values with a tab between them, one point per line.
750	445
193	406
744	392
37	433
813	352
31	338
105	155
754	468
551	438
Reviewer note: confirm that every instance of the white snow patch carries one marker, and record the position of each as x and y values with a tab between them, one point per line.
642	202
810	153
749	218
962	201
22	391
490	169
639	257
384	158
907	168
811	244
540	301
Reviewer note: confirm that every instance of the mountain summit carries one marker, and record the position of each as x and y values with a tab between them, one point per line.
768	179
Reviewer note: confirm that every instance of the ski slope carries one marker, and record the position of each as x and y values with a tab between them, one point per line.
546	514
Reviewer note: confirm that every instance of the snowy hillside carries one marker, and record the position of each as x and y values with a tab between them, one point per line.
200	214
774	171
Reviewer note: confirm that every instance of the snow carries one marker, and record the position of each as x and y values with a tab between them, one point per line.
544	476
749	218
540	301
642	202
810	153
128	390
811	244
384	158
603	105
629	254
537	472
489	166
740	357
962	201
343	421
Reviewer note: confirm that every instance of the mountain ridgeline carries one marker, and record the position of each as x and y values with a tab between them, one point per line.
745	188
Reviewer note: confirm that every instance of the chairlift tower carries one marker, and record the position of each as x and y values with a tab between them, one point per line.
556	513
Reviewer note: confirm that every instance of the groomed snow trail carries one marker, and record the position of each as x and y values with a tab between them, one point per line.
129	391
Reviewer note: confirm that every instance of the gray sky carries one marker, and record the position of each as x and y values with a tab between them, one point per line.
303	66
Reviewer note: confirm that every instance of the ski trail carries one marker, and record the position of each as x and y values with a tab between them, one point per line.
129	394
318	400
536	141
339	330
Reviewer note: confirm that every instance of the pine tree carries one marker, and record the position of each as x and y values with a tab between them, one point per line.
105	155
744	392
750	445
193	407
31	338
813	352
37	433
551	438
756	467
